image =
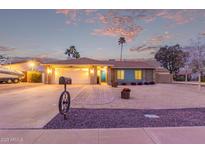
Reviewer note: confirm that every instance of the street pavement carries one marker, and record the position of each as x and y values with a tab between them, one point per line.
161	135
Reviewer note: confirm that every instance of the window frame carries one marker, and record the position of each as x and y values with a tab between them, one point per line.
137	75
120	74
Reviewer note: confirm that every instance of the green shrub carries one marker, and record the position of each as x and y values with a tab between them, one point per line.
36	77
179	78
203	79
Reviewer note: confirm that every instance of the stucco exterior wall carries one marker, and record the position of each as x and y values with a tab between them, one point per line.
129	75
164	78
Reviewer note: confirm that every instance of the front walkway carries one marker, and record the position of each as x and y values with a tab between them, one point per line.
171	135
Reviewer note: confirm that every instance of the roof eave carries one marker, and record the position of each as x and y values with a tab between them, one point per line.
136	67
77	64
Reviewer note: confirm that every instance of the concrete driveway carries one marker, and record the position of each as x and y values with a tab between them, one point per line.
30	106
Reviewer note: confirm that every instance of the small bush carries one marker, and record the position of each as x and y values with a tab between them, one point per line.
133	83
124	83
146	83
139	83
203	79
35	76
179	78
152	82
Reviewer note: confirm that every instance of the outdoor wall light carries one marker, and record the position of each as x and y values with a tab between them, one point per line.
91	71
49	71
32	65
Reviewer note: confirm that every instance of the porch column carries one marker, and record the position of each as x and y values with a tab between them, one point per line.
93	75
109	75
48	74
53	75
154	75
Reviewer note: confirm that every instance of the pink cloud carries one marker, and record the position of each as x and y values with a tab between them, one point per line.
129	33
156	40
103	19
126	22
178	16
116	24
153	43
202	33
64	11
71	15
144	48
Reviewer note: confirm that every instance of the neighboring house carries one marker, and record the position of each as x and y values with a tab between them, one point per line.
91	71
191	75
25	66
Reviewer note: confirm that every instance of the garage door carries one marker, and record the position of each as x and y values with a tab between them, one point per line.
78	75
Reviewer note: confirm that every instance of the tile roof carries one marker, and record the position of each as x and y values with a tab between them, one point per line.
114	63
80	61
131	64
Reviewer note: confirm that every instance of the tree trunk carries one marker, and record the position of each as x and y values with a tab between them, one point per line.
186	77
199	81
121	52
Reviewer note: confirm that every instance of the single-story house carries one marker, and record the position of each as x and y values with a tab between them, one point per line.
91	71
190	74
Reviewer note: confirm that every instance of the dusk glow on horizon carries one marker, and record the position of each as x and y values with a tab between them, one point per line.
95	33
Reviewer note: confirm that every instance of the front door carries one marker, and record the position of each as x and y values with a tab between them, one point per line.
103	76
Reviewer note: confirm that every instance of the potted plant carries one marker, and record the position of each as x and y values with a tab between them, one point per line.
125	93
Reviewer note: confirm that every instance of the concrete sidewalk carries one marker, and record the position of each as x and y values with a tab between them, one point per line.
189	82
106	136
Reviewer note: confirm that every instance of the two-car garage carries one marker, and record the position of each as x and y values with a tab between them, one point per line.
78	75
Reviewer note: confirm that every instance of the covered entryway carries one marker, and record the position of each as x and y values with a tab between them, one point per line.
78	75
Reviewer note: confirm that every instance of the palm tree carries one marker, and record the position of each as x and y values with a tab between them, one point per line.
72	52
121	41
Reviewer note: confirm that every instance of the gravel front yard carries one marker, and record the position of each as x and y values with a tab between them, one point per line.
128	118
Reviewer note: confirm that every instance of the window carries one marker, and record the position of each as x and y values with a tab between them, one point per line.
120	74
138	74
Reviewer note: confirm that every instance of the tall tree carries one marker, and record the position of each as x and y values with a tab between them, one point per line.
197	57
72	52
171	58
121	42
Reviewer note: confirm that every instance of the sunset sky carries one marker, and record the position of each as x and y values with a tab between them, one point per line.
95	33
